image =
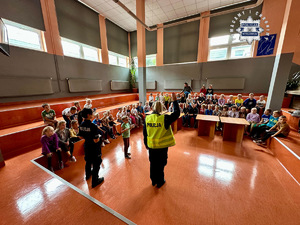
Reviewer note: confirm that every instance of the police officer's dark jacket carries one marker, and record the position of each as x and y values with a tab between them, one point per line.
89	132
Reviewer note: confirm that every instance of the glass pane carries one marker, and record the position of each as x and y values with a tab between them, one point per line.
100	55
122	61
90	54
150	60
236	38
135	59
23	38
218	54
71	49
113	59
222	40
241	51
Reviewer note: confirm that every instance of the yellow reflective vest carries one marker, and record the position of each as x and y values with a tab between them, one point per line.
157	135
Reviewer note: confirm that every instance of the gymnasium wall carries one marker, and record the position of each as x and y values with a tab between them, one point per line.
256	71
25	64
29	64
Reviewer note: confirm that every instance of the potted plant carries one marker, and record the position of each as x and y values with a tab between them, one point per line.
132	79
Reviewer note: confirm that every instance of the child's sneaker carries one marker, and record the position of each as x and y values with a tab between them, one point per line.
102	144
263	144
72	159
61	165
107	141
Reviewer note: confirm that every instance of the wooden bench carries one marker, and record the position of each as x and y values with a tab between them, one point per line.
23	138
291	120
16	115
287	151
78	151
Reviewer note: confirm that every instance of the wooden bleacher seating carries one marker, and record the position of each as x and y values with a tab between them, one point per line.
22	125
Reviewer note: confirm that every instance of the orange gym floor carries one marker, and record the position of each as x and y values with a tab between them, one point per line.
207	182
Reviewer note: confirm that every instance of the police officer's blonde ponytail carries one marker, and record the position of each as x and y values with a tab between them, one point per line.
157	107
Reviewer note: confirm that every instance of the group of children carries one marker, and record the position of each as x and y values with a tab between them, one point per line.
60	136
262	123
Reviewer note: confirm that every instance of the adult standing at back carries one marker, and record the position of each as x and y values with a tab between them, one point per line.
158	137
187	89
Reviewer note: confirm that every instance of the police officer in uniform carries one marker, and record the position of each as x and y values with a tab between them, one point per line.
158	136
92	147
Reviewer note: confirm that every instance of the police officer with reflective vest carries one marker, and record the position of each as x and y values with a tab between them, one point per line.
92	147
158	136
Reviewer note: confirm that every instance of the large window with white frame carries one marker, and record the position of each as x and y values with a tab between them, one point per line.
78	50
24	36
117	59
228	47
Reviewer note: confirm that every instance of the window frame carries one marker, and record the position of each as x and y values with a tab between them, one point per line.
149	57
229	47
118	60
40	34
81	51
136	60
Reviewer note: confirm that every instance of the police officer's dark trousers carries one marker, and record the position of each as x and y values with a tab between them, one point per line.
92	157
158	160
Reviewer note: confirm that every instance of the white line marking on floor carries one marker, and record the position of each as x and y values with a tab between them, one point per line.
105	207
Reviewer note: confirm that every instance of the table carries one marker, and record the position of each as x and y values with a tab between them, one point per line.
233	128
207	125
177	124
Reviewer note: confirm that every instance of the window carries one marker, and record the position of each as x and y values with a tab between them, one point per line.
136	62
219	40
241	51
228	47
90	53
79	50
113	59
122	61
150	60
71	49
24	36
118	60
218	54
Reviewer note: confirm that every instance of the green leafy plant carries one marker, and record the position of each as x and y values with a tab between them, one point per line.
293	83
132	78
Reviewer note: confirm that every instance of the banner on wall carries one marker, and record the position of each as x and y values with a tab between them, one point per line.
250	29
266	45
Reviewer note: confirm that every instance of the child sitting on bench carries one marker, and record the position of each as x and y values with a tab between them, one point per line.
49	142
49	116
64	143
281	129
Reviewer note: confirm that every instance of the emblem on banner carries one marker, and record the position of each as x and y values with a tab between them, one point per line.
249	29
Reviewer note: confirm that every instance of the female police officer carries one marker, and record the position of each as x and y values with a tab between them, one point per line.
92	147
158	136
